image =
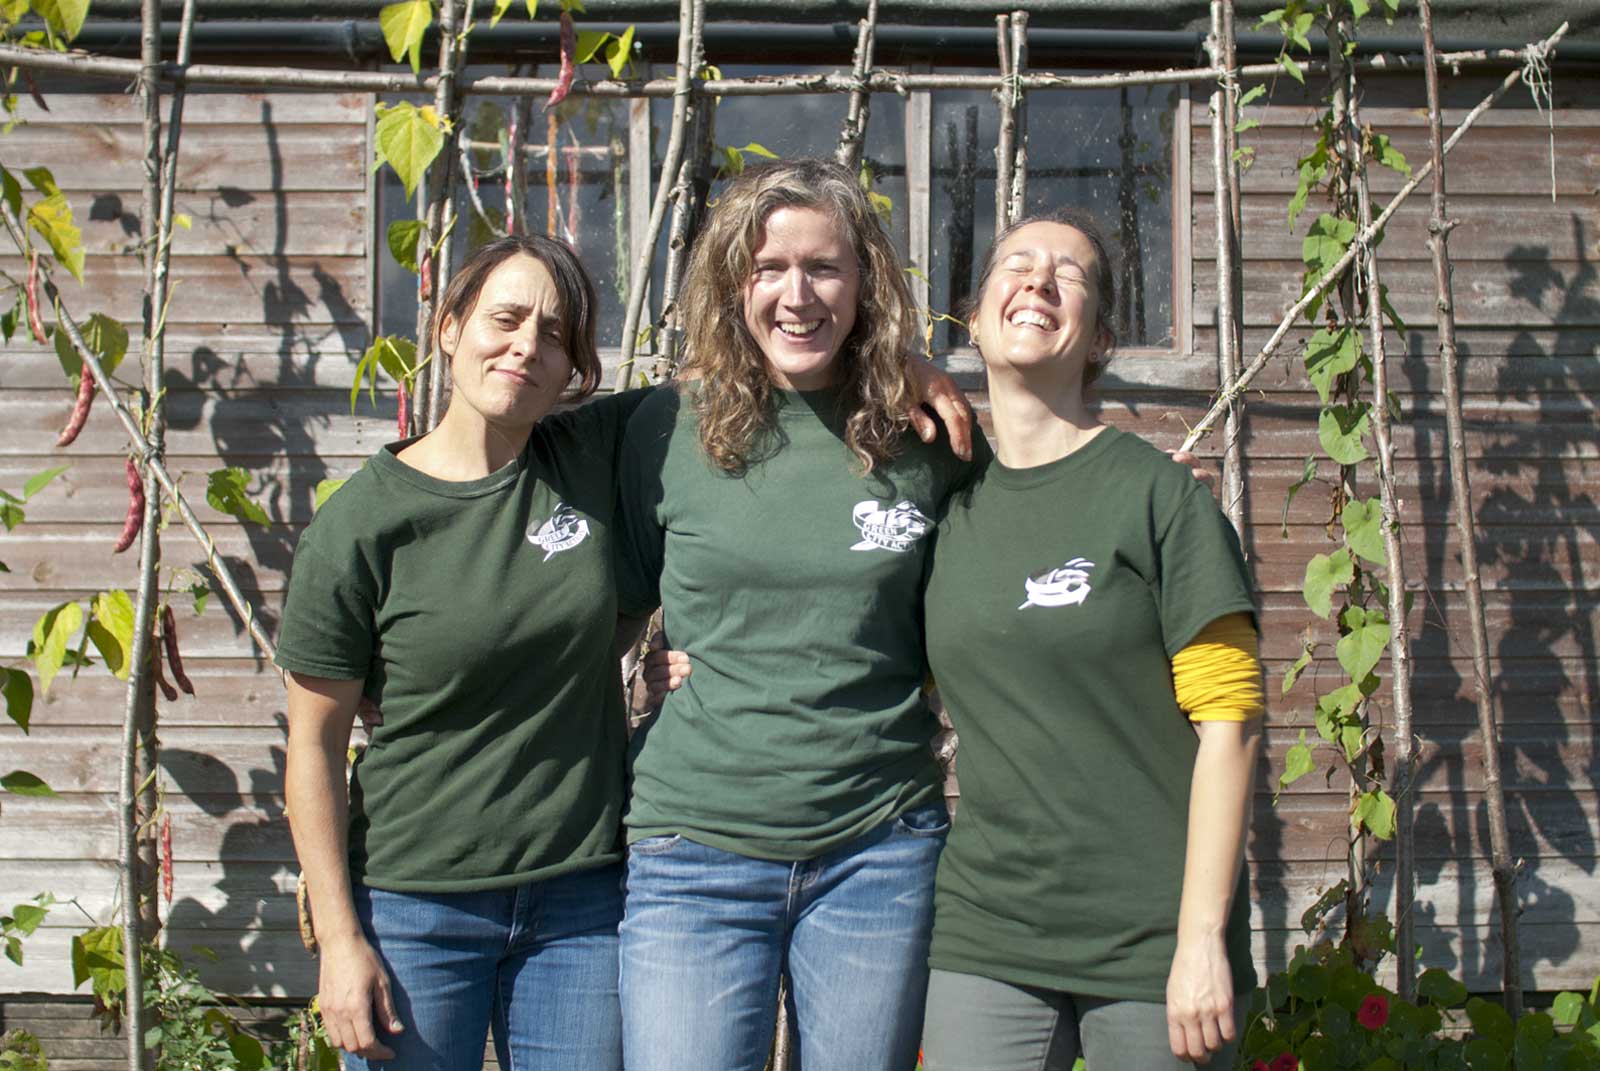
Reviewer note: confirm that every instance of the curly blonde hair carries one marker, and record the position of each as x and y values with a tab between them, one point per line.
734	396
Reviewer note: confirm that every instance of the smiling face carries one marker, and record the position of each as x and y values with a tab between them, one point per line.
1040	303
800	300
507	362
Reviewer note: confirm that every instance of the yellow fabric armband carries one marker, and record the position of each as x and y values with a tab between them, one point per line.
1217	677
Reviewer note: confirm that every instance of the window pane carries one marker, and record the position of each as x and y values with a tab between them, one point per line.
804	125
1107	151
584	192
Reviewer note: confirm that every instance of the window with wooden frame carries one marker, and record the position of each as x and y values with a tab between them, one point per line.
929	159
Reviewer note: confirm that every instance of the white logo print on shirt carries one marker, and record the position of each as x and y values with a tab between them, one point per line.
895	528
564	530
1065	586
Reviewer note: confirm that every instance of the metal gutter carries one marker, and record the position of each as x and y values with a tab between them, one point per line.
360	40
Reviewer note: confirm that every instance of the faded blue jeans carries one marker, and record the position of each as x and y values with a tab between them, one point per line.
536	963
708	934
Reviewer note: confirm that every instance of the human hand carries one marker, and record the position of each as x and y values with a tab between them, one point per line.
1200	1000
664	670
1196	466
371	717
352	995
932	387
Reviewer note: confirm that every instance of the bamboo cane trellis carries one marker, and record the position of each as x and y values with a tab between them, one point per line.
689	91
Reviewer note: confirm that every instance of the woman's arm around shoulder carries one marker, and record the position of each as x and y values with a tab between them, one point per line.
353	987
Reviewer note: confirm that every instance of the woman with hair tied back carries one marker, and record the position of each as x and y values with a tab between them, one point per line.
464	582
1091	628
787	811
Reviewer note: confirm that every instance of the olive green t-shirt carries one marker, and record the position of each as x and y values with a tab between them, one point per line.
795	588
1058	596
480	615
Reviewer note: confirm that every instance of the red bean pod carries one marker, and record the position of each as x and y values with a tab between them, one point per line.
169	640
35	321
161	678
569	66
135	518
166	856
80	409
403	418
425	276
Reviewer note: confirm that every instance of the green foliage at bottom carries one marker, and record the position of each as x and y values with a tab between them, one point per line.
1326	1013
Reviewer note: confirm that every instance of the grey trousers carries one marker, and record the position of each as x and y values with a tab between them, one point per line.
979	1024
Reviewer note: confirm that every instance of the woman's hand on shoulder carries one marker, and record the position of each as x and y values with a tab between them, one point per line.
1200	999
355	999
1196	466
938	389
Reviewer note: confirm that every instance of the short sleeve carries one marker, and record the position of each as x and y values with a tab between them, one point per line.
328	617
1202	573
641	536
601	422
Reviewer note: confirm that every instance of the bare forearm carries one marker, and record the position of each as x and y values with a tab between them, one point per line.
1219	816
315	790
321	715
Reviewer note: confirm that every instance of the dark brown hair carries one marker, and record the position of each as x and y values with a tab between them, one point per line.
1105	277
574	289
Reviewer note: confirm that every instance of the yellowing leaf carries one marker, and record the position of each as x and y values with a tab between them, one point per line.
325	490
52	218
500	9
51	634
619	52
1324	572
1340	429
403	26
589	42
1361	647
182	219
1297	762
1363	529
111	630
408	139
65	17
1375	810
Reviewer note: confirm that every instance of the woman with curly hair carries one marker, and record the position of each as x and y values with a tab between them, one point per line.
787	812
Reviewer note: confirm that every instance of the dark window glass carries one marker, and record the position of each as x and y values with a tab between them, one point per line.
1107	151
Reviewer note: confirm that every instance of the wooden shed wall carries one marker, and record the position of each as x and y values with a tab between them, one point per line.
270	313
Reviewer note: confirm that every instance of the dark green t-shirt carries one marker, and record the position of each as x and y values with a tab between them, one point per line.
795	587
1058	596
480	615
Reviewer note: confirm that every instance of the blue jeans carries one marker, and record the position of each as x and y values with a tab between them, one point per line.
708	934
536	962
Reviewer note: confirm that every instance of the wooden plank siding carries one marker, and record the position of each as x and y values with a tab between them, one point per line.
1528	304
272	307
268	317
